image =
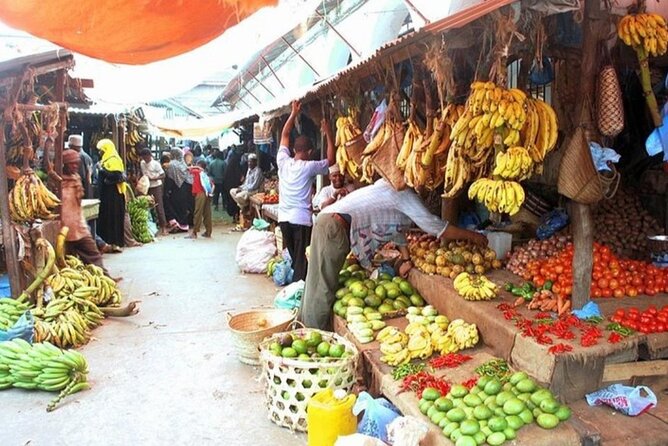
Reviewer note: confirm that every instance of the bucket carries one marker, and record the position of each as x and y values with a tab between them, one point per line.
249	328
329	416
500	242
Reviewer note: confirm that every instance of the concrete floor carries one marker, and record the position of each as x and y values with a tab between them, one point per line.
169	374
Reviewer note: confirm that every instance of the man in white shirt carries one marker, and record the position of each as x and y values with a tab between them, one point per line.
295	179
153	170
332	193
362	222
251	184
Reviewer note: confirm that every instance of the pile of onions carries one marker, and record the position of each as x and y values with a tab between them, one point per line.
623	224
535	250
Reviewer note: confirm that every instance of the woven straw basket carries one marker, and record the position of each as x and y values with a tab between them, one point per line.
252	327
578	177
609	104
385	159
290	382
355	147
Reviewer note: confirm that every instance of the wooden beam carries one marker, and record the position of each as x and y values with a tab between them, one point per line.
273	72
62	123
85	83
582	223
8	234
628	370
300	56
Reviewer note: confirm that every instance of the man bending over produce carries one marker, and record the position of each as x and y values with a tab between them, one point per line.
363	221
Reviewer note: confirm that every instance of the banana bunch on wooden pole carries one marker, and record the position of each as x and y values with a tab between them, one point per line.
494	119
647	34
347	130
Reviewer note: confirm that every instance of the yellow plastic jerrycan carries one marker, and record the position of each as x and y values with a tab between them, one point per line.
329	415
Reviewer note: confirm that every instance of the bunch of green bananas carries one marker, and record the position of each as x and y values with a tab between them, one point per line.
10	311
140	214
42	366
30	200
85	281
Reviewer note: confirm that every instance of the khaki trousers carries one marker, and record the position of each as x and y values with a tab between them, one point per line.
330	244
202	213
240	197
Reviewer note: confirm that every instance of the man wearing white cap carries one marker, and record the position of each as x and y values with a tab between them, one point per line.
252	183
75	142
332	193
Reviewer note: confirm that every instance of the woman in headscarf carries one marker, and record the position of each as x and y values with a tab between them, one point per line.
178	198
112	186
233	175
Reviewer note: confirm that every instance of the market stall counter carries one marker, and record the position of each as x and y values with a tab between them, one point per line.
381	382
570	364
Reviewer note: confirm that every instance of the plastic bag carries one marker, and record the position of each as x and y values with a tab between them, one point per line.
378	413
22	328
601	156
283	273
657	141
254	251
590	309
542	75
628	400
207	185
376	121
143	185
290	297
551	223
407	431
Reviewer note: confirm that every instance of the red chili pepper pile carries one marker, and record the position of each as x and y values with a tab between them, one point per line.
420	381
615	337
560	348
469	384
450	360
543	328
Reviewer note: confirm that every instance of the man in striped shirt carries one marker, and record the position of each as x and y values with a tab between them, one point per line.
363	221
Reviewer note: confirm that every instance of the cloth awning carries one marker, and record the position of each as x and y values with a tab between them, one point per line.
128	32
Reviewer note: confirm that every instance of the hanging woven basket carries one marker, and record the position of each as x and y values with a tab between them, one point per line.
609	104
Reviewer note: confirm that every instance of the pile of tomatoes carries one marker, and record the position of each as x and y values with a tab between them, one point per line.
611	276
651	320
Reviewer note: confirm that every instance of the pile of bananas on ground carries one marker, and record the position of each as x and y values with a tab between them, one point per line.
347	130
30	199
513	164
423	157
86	282
140	215
67	321
475	287
644	31
42	366
496	118
426	333
498	195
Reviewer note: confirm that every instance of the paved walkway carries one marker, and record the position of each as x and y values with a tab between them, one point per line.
167	376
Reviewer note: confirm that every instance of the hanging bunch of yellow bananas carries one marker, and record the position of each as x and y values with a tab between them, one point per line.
539	135
423	157
347	130
496	118
645	30
30	199
513	164
647	34
498	195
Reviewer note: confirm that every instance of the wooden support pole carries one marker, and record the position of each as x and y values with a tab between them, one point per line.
582	223
62	123
8	234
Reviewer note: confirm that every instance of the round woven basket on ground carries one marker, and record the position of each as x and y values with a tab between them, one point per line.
290	383
251	327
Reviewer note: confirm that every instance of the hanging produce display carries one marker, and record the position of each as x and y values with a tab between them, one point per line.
30	199
647	34
347	130
505	122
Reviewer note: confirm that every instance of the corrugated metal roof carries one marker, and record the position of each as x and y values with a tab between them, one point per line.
399	49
